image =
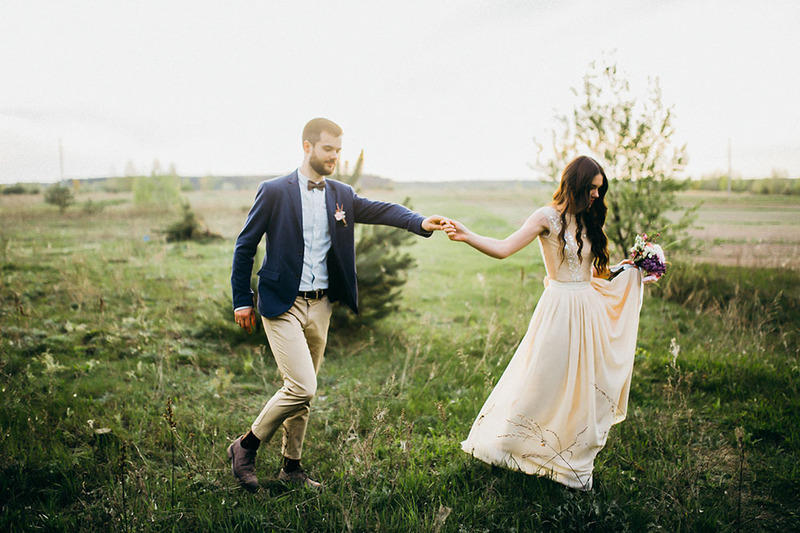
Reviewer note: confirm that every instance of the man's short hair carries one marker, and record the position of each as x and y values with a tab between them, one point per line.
313	130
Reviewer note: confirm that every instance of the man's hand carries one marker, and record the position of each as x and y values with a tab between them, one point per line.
246	318
433	223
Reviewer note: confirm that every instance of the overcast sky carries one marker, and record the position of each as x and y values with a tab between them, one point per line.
431	90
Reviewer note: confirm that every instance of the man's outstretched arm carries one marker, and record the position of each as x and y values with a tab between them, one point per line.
391	214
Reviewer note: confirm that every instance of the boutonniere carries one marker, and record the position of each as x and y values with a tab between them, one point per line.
339	215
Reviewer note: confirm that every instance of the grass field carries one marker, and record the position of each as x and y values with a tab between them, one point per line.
123	380
749	230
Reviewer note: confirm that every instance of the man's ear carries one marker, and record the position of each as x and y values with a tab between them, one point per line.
307	146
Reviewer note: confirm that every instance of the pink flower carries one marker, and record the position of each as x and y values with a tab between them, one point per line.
338	215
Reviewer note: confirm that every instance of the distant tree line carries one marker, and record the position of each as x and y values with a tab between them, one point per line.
158	184
775	184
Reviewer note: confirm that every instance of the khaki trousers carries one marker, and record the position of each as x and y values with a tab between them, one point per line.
297	339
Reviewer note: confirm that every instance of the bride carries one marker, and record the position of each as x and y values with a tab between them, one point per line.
568	381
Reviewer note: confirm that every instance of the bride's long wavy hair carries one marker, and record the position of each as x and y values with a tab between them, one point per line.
573	197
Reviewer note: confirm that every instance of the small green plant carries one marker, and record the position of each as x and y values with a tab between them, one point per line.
4	245
121	465
739	432
169	417
90	208
60	196
189	228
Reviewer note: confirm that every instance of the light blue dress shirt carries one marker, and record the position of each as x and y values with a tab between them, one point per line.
316	237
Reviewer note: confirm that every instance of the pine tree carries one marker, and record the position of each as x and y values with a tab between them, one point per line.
382	267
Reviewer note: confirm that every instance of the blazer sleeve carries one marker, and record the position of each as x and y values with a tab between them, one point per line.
388	214
246	246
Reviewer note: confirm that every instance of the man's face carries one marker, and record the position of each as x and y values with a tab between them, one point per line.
324	154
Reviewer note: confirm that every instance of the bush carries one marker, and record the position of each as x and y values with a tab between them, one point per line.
19	188
60	196
189	228
90	208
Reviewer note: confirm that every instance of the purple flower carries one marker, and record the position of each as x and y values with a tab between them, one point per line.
652	265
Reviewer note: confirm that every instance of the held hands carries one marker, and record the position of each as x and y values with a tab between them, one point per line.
456	231
434	222
246	318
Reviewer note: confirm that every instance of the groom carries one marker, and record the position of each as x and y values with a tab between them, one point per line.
309	264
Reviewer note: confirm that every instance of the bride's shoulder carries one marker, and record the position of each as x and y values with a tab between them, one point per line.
547	210
551	216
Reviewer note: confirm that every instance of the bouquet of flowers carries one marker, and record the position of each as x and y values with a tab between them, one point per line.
646	255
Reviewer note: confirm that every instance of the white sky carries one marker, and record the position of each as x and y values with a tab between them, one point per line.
431	90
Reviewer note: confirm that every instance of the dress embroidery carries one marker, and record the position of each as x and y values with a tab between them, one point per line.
571	251
571	246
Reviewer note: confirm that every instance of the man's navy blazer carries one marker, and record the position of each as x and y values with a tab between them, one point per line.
277	213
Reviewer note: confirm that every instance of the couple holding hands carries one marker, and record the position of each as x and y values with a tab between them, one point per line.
568	381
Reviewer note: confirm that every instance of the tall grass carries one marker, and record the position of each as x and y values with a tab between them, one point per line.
102	330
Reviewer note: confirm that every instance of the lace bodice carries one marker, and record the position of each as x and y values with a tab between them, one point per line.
571	268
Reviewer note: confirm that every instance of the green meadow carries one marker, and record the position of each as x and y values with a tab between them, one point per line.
123	380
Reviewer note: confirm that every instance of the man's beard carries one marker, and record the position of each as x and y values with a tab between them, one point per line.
319	166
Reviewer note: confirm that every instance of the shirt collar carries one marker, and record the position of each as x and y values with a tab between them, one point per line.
303	179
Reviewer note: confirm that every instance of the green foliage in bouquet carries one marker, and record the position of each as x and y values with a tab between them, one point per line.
382	268
632	139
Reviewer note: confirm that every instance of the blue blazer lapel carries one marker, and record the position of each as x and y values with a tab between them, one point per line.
330	206
294	196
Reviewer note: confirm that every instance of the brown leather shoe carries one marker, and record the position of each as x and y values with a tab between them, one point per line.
299	477
243	465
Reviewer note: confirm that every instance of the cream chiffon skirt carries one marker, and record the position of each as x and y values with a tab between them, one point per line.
566	385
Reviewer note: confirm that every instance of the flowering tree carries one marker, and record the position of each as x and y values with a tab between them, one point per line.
633	142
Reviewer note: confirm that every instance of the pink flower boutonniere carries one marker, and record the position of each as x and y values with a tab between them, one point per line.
339	215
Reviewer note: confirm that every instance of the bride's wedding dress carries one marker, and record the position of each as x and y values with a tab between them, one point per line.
568	381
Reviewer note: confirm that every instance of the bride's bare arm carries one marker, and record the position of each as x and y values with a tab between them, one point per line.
500	249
